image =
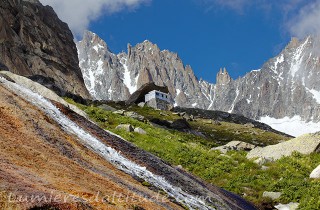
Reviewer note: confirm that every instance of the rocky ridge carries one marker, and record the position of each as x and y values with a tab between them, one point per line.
286	86
127	72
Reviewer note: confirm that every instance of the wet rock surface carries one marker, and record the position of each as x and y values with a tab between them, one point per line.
40	159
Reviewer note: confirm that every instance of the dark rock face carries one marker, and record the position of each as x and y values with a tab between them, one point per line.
33	41
138	96
181	124
160	122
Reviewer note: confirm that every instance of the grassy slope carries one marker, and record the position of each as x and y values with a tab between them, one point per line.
233	171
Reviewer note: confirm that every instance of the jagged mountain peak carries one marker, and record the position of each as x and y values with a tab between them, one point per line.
223	77
287	85
93	41
146	47
294	42
143	63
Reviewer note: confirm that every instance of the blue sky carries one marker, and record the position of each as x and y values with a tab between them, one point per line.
207	34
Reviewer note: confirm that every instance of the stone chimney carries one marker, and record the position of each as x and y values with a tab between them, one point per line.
223	77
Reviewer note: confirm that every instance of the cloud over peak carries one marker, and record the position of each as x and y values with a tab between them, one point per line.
307	22
79	13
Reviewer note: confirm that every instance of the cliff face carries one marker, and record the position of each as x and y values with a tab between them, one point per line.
285	86
33	41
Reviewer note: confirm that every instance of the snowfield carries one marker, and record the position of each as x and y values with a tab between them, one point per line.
294	126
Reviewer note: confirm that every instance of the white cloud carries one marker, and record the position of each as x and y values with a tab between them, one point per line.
79	13
299	17
307	21
238	5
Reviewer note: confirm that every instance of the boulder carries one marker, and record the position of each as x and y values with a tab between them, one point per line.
126	127
140	131
181	114
187	117
163	114
249	125
141	104
261	161
180	124
237	132
272	195
107	108
160	122
305	144
315	174
235	145
207	121
134	115
120	112
289	206
216	122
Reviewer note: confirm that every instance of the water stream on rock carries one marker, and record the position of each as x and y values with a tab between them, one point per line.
108	153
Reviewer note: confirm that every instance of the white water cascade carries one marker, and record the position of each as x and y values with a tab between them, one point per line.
108	153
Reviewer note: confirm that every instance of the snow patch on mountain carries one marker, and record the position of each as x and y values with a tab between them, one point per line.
278	61
297	58
294	126
208	90
235	99
315	94
127	78
98	47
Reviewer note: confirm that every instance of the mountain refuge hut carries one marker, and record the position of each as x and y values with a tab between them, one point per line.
154	96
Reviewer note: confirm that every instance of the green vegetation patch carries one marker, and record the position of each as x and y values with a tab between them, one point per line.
231	171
